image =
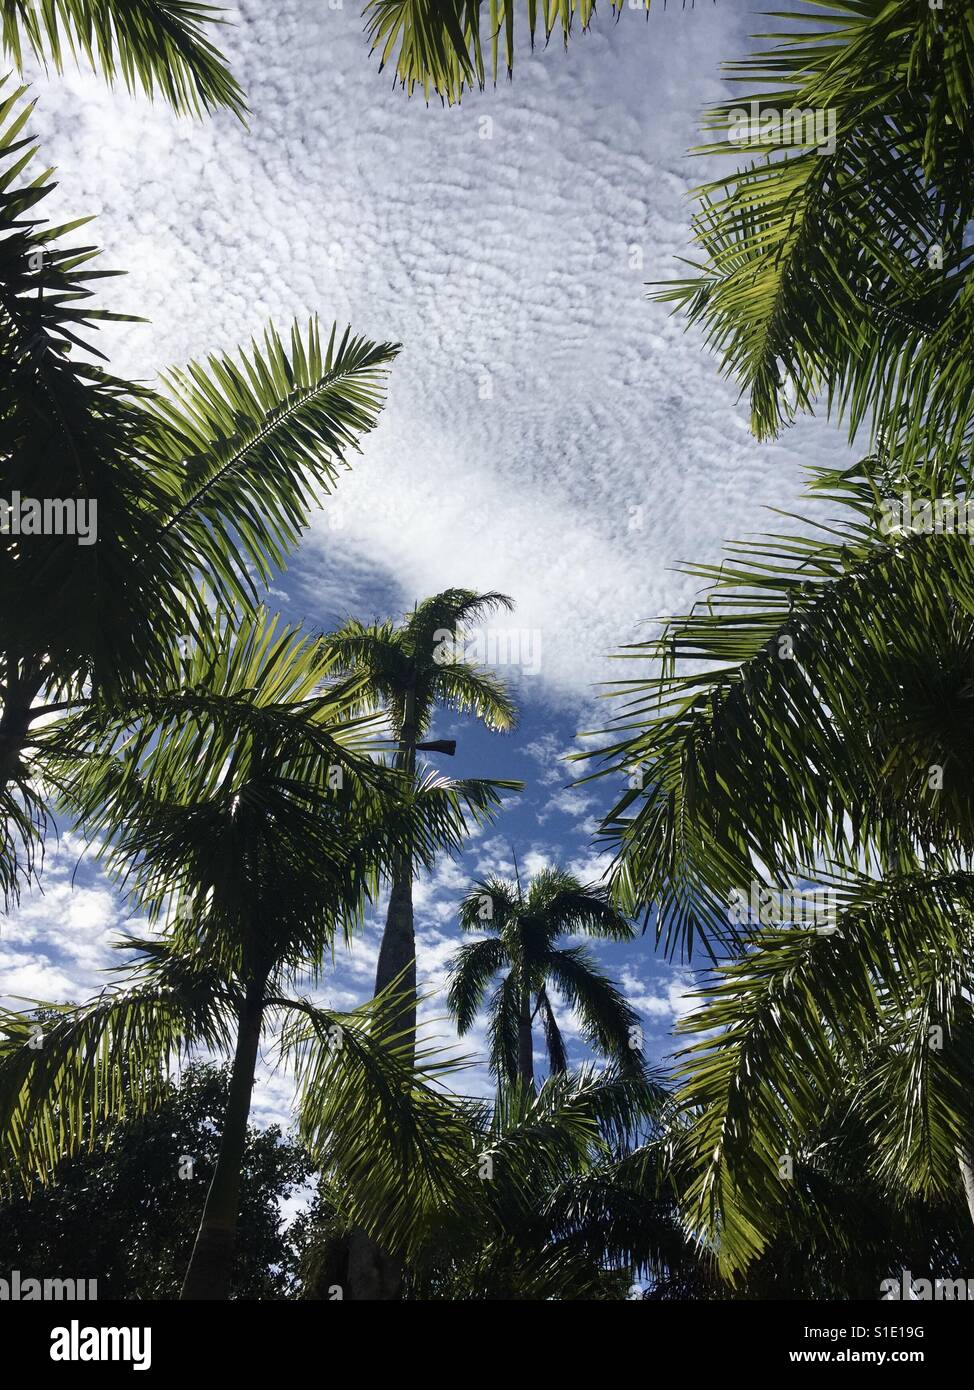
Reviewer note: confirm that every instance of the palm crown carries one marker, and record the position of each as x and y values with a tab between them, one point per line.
523	931
412	668
408	670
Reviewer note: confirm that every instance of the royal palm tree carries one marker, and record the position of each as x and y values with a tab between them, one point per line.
410	670
523	931
201	490
242	809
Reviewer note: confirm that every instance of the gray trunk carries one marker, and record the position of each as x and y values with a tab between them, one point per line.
211	1263
15	720
397	954
372	1273
525	1046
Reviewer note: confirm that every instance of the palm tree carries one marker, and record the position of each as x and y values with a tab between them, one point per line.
242	808
820	733
201	490
410	670
523	931
557	1193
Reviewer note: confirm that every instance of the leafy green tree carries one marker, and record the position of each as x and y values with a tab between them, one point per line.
554	1193
198	494
127	1214
410	670
522	939
242	810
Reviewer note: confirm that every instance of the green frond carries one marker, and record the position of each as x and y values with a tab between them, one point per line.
159	46
375	1118
471	971
837	261
488	905
818	683
502	1028
787	1031
258	441
62	1077
609	1024
71	433
464	688
449	46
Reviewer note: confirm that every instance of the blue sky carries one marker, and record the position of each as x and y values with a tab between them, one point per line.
550	432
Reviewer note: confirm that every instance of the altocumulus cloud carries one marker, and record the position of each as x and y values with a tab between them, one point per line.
550	432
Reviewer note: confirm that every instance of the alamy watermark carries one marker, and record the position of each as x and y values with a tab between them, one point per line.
909	515
489	646
16	1289
50	516
907	1288
765	125
814	908
77	1343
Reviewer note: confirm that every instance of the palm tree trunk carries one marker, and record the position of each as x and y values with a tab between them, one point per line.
208	1275
967	1177
525	1045
397	953
373	1274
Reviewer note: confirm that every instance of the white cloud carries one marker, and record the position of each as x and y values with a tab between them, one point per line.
570	801
549	432
665	1000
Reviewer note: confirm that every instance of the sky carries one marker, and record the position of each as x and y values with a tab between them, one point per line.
550	431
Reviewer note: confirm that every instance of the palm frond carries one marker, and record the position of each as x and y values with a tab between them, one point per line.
158	46
62	1078
786	1030
258	440
448	46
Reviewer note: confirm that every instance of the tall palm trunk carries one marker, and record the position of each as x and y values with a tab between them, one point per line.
208	1275
397	953
372	1273
525	1045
